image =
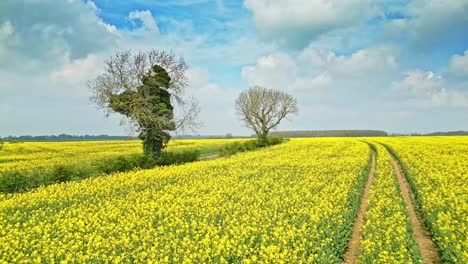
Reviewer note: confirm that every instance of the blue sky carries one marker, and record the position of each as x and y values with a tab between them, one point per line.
399	66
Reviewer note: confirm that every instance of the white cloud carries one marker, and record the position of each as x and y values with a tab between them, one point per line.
235	48
48	50
458	64
296	22
6	32
217	103
146	18
364	62
429	22
37	41
6	39
314	68
276	70
73	76
428	89
444	97
323	79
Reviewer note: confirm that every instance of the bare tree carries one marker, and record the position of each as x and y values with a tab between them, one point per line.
262	109
148	89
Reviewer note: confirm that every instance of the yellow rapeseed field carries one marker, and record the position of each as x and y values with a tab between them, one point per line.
437	168
291	203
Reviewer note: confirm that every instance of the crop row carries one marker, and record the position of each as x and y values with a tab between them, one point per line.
387	234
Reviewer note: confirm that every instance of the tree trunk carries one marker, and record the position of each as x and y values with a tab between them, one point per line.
262	137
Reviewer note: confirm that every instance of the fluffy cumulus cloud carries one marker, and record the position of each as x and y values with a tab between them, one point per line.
295	23
314	68
74	75
458	64
146	18
371	62
48	49
57	50
31	33
277	70
428	89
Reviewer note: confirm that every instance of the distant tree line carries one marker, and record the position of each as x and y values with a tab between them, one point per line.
301	133
330	133
449	133
64	137
358	133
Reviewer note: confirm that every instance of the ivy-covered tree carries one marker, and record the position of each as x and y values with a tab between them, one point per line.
150	107
146	88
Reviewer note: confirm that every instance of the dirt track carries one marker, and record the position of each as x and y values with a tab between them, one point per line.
352	251
209	157
426	246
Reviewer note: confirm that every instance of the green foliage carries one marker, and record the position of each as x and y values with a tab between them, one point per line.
236	147
13	181
119	164
149	106
62	173
273	140
170	158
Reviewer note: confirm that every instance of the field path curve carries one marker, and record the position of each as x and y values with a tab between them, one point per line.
351	254
210	157
427	247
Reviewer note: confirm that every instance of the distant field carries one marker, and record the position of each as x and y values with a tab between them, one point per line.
317	200
35	159
40	152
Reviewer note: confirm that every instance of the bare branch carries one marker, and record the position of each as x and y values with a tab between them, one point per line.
188	113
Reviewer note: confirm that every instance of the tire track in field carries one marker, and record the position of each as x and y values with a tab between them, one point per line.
351	254
427	247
